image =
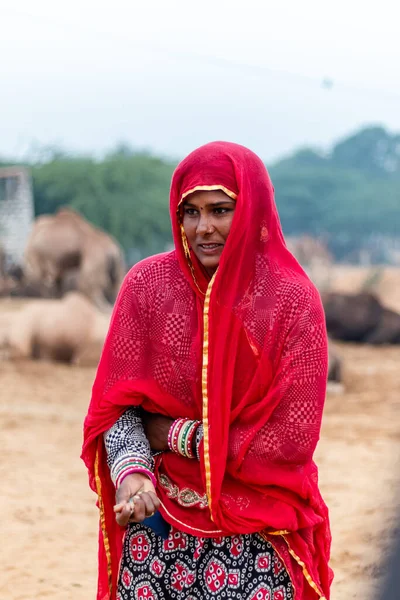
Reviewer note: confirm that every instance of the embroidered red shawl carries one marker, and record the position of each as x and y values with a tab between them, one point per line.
247	354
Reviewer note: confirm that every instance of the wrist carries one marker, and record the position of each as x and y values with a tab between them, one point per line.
127	465
142	473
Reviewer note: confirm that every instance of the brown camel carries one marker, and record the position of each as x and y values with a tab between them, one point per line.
66	242
334	365
360	318
70	330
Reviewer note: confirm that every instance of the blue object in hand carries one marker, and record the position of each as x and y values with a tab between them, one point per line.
158	524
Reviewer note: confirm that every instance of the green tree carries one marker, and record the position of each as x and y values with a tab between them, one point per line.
345	196
373	150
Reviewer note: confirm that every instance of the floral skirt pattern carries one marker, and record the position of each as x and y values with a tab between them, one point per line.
185	567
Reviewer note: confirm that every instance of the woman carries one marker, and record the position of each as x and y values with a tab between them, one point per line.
223	341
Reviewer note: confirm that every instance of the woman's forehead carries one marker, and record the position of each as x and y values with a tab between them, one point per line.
208	197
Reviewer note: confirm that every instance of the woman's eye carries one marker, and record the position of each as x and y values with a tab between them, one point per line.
190	211
220	210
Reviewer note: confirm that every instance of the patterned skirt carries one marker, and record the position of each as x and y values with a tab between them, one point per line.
185	567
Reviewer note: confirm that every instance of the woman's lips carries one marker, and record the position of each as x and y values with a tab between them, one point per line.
210	248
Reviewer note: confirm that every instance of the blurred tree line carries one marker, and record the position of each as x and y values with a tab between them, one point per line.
344	196
125	193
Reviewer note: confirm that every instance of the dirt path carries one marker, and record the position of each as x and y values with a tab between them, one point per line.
49	518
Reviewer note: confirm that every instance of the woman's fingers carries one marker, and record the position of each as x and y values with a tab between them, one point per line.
140	506
139	513
125	513
149	504
155	500
145	506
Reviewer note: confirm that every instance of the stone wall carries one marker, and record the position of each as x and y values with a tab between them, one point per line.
16	211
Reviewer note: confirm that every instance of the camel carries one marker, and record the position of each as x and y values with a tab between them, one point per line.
360	318
2	269
2	262
381	280
65	242
335	371
334	364
387	330
69	330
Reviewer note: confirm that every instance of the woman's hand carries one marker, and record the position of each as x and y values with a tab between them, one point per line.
157	428
136	499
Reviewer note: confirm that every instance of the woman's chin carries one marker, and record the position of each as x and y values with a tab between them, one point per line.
210	266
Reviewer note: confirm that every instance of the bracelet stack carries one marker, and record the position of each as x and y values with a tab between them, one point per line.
127	465
181	437
198	440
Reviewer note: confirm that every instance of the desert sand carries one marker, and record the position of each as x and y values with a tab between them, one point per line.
49	519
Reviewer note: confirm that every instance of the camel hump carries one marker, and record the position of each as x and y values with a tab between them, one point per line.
65	251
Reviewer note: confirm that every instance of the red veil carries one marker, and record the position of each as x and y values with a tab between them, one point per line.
245	352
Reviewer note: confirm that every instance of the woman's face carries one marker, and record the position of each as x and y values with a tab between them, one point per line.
207	220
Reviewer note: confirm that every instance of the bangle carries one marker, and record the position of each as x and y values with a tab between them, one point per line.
132	471
189	437
173	435
181	437
130	464
199	437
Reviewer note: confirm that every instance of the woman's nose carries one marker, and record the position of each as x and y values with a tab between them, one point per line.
205	225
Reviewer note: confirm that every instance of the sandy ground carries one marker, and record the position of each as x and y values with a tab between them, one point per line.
49	519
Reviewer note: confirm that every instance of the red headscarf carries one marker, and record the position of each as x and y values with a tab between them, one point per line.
245	352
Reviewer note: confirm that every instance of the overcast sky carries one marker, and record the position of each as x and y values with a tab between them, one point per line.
171	75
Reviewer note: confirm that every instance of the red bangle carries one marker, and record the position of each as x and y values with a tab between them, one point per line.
181	435
143	471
